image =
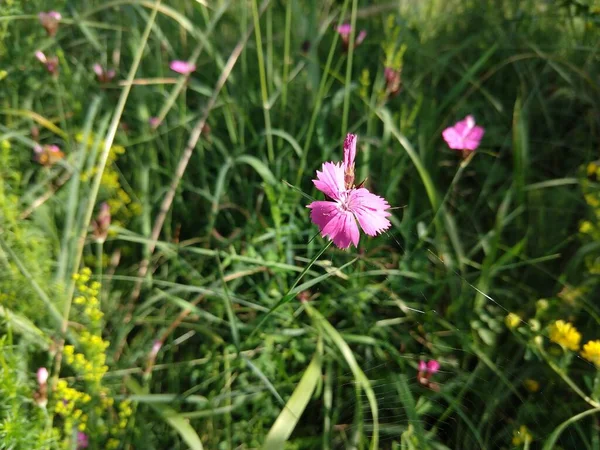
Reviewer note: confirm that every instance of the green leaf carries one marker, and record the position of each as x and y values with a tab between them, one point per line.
294	408
179	424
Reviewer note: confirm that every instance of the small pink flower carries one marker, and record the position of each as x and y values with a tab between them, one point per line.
51	63
337	218
42	376
345	30
50	21
154	122
156	346
102	223
393	81
464	135
182	67
422	366
433	366
104	75
82	440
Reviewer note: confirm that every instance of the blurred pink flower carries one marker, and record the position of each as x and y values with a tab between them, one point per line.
102	223
47	155
393	81
51	63
104	75
464	135
82	440
337	218
182	67
156	346
426	371
50	21
345	30
154	122
42	376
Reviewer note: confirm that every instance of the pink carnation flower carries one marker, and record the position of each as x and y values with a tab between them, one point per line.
337	218
104	75
464	135
345	30
182	67
82	440
50	21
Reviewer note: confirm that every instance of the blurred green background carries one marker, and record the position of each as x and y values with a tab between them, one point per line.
211	314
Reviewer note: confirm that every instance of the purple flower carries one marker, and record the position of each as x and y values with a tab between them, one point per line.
182	67
82	440
345	30
104	75
50	21
337	218
464	135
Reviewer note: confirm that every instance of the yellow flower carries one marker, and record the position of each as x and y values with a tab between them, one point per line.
565	335
591	169
512	320
586	227
521	436
591	352
531	385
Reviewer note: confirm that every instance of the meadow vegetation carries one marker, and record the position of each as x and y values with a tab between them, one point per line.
162	285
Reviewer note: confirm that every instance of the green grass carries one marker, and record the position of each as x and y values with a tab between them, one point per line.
270	337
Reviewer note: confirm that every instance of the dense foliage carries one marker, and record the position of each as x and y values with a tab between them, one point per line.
158	258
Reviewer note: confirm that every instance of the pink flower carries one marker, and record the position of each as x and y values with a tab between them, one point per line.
464	135
345	30
42	376
51	63
82	440
50	21
155	348
393	81
102	223
154	122
182	67
104	75
433	366
337	218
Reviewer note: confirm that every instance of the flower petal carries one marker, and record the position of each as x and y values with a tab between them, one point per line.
349	150
370	211
182	67
471	142
453	138
330	180
339	225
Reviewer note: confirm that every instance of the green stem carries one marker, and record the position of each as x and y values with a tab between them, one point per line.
263	80
349	70
87	217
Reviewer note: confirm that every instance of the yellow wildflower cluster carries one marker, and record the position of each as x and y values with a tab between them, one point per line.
121	205
521	436
512	320
68	405
591	352
565	335
87	296
91	361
